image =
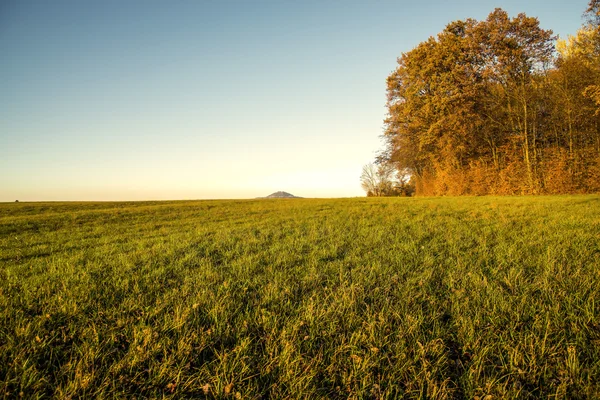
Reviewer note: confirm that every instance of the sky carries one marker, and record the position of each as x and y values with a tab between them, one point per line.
150	100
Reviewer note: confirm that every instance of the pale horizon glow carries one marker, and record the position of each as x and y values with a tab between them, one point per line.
152	100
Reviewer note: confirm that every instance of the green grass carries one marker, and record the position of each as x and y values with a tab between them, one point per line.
348	298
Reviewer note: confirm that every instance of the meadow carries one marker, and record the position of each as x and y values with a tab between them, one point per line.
441	298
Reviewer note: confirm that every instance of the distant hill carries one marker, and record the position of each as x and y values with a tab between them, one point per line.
281	195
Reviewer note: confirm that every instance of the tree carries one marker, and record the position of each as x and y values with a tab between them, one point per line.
488	107
469	102
378	180
593	13
368	180
592	49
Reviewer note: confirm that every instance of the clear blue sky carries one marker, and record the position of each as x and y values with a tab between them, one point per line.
131	100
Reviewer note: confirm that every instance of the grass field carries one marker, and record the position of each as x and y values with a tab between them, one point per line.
308	298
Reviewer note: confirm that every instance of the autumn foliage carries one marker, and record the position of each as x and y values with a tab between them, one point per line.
498	107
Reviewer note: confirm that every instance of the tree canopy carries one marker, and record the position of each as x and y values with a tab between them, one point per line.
491	107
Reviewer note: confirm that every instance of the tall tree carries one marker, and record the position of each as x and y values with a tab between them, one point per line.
488	107
450	98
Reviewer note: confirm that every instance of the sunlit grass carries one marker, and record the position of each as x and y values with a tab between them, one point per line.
359	298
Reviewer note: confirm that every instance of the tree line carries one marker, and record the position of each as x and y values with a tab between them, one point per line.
498	106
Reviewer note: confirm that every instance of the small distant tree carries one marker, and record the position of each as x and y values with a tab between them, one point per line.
369	180
383	179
